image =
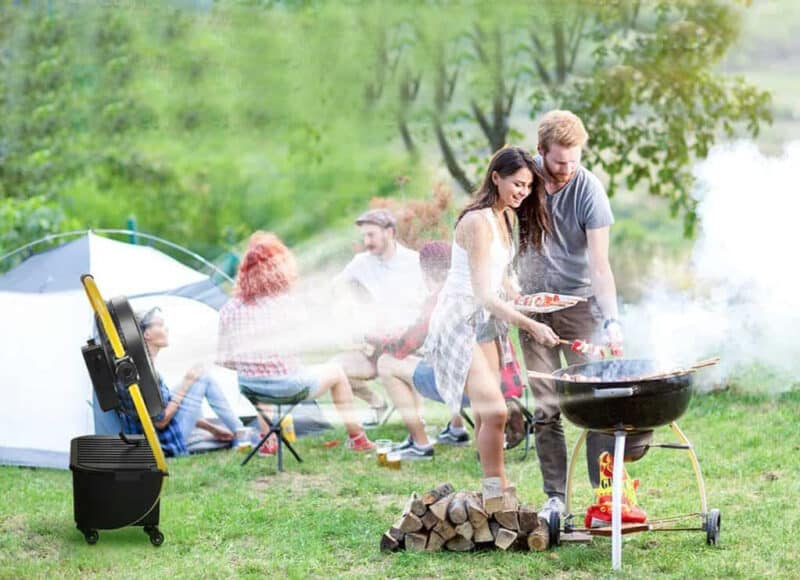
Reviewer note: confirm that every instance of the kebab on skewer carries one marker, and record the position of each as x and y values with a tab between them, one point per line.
657	375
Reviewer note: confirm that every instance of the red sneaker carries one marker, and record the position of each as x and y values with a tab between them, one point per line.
359	443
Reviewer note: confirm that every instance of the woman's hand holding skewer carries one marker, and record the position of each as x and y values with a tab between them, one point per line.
541	333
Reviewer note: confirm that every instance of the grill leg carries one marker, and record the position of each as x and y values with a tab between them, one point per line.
616	500
698	475
571	469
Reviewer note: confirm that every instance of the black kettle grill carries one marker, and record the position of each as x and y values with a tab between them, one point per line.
628	399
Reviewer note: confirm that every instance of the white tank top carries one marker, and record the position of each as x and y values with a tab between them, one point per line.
459	279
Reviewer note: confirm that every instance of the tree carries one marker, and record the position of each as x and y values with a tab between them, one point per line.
640	74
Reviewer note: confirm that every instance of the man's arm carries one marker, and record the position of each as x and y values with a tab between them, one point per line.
603	284
402	345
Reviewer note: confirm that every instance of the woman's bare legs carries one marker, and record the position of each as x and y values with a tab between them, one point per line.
332	378
483	390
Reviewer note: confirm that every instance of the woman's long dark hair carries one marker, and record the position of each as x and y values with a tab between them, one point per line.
534	221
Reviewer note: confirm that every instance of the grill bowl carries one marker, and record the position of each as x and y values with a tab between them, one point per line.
614	403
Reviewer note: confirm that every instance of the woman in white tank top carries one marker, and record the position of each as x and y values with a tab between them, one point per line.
468	337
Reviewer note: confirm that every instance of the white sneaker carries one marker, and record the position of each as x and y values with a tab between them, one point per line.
553	504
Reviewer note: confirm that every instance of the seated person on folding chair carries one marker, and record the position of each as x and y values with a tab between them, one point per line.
258	335
183	410
386	282
402	372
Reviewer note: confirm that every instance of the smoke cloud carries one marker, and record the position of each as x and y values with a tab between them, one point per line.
745	304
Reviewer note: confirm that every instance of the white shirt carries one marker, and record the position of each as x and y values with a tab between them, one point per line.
396	285
459	279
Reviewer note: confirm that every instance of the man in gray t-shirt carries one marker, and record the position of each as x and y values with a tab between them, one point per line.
570	258
563	264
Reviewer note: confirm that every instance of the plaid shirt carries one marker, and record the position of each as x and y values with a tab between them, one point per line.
172	440
407	343
450	344
244	332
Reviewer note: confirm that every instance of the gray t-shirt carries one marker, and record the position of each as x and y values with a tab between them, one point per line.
563	264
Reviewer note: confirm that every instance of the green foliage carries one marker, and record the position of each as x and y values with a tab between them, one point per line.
654	105
209	120
640	74
23	220
205	123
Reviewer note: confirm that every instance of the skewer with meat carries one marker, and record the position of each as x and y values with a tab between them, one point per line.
589	349
586	348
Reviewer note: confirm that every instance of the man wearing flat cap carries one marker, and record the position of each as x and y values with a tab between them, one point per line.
387	277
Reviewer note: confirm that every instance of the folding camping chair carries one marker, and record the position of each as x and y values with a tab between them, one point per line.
274	422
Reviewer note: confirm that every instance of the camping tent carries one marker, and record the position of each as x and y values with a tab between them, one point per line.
45	388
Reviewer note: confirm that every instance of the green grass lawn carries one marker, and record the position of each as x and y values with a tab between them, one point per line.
325	517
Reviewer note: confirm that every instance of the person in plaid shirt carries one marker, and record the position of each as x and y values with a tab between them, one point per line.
467	343
173	443
183	407
258	329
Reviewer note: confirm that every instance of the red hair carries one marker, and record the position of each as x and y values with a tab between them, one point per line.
268	268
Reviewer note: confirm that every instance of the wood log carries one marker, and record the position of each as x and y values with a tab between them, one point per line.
510	501
436	494
396	532
435	542
492	495
410	523
477	515
389	544
440	507
416	542
459	544
494	527
418	508
457	510
505	538
482	534
429	520
528	519
508	519
415	506
522	541
444	529
464	530
539	539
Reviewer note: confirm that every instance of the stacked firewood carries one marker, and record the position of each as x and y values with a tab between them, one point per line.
461	521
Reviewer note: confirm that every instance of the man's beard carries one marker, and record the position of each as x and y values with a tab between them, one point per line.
555	178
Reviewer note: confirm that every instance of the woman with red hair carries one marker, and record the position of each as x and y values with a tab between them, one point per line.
258	338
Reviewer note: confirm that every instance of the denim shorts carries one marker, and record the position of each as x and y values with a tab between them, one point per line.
487	331
282	385
424	381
